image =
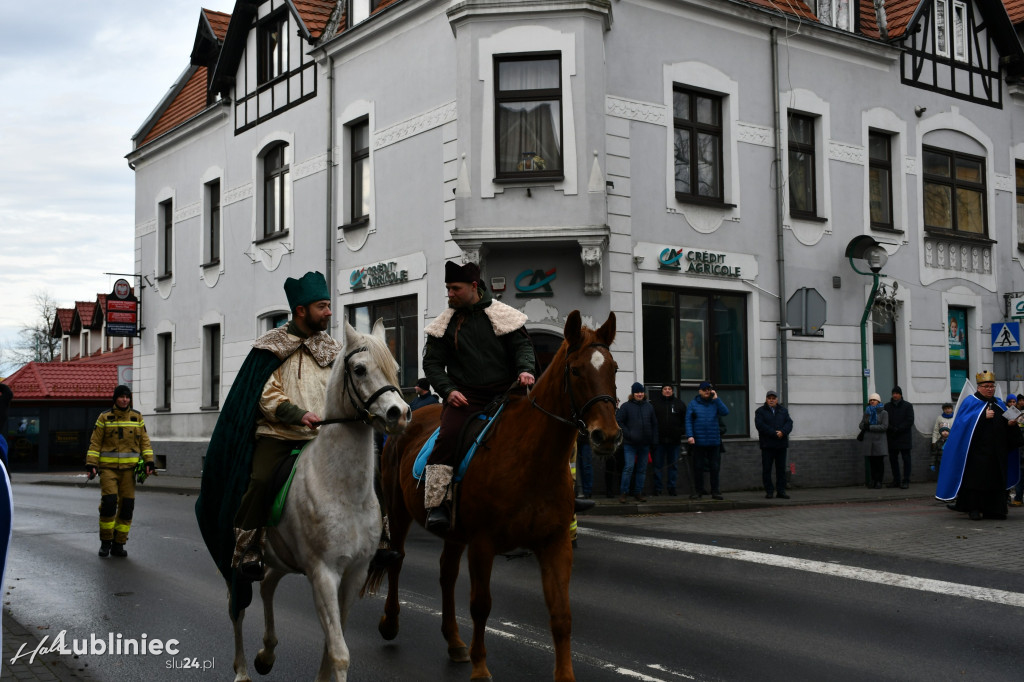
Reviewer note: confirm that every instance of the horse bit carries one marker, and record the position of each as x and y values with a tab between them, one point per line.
362	412
576	415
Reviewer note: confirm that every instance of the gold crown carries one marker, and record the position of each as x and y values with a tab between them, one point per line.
982	377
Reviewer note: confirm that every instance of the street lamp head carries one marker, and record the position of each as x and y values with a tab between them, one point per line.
876	258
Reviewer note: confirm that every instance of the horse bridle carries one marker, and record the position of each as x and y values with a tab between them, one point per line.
575	415
363	407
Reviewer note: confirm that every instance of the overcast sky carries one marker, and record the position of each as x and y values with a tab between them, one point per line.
78	79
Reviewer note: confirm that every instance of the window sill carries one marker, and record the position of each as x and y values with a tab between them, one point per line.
529	178
272	237
808	218
957	236
698	201
161	409
360	222
210	264
163	277
886	230
209	408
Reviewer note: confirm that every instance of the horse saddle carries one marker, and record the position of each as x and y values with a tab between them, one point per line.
473	435
281	483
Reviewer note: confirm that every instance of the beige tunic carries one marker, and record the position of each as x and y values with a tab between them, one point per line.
300	380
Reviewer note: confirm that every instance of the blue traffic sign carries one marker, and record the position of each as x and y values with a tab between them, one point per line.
1005	337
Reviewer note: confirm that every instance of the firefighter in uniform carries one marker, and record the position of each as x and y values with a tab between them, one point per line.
118	441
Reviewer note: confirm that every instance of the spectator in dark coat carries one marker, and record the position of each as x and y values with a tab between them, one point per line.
671	414
703	433
423	395
639	434
899	436
773	428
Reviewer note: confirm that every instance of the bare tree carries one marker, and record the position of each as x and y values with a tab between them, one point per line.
34	343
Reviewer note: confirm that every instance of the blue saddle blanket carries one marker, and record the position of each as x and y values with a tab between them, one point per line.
420	464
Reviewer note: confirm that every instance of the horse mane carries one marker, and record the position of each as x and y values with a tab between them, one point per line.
382	357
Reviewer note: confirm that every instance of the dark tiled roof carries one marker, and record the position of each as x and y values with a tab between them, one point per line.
315	14
191	100
797	8
218	22
62	321
1015	8
86	311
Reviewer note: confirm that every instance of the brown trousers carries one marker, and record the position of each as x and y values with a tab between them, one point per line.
452	420
255	506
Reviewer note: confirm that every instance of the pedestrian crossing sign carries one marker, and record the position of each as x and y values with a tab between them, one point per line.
1005	337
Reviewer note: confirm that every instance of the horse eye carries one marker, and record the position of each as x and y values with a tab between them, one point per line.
359	371
575	372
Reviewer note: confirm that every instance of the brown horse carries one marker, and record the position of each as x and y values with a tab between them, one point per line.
517	492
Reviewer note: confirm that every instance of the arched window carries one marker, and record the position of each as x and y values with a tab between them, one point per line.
277	195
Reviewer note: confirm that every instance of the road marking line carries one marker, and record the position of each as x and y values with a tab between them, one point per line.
836	570
523	640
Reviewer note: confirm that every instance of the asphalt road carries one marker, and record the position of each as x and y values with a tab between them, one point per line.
842	592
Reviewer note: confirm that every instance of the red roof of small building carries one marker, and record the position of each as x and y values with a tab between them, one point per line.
62	321
218	22
1015	8
91	378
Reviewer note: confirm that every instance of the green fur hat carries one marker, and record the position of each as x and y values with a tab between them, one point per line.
311	288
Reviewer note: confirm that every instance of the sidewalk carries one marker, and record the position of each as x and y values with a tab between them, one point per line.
44	667
662	504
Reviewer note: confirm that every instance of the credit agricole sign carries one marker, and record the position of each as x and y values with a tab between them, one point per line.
695	262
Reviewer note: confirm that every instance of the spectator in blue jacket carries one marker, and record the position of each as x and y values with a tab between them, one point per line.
703	434
639	434
423	395
773	428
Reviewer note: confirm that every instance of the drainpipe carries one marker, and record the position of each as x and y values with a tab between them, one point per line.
781	366
329	218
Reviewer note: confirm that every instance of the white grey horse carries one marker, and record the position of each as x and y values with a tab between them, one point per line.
331	522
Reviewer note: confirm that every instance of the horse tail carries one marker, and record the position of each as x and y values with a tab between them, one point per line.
374	578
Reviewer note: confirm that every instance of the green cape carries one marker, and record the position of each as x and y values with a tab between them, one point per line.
227	467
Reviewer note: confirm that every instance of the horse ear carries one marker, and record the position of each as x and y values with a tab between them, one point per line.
607	331
378	329
350	335
573	326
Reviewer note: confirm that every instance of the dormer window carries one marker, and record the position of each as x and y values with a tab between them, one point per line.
951	29
836	13
272	54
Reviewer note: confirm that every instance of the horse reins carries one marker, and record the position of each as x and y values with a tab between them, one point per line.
362	412
576	415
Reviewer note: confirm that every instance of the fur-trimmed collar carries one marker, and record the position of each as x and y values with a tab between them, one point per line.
504	319
321	346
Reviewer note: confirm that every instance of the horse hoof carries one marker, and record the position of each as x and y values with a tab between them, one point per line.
387	629
262	667
459	654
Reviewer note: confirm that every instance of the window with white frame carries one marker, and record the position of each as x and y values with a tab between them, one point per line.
211	222
697	124
277	190
359	171
951	22
836	13
273	320
528	115
880	177
164	371
802	170
272	47
165	232
1019	206
211	365
954	192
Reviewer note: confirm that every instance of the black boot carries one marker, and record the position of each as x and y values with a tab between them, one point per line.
117	549
581	504
104	548
439	521
384	558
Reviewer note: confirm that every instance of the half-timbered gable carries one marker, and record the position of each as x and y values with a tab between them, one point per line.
265	59
960	48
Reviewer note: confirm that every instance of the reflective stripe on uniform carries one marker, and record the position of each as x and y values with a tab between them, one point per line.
105	424
106	525
122	527
119	458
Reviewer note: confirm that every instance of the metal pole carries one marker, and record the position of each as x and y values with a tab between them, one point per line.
864	354
781	367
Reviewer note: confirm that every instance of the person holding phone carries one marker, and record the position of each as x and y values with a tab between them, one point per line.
703	435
